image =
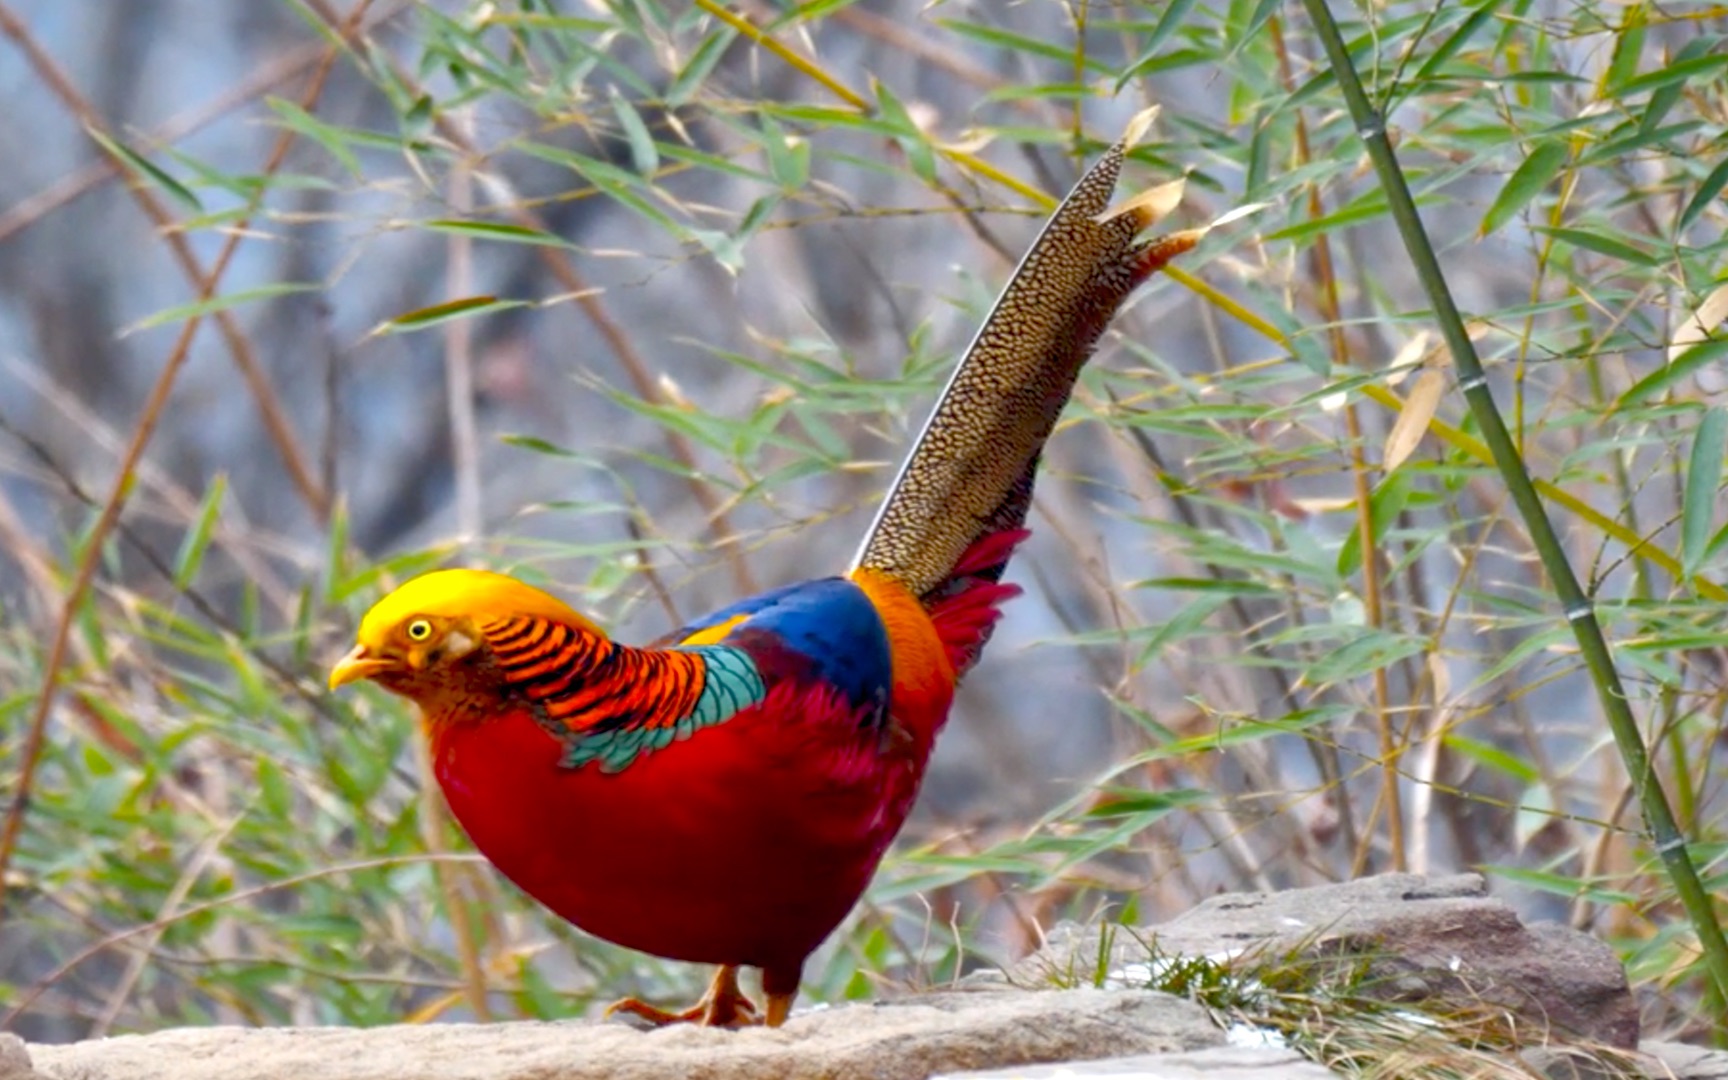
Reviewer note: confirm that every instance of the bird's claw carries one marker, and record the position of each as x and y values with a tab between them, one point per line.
724	1005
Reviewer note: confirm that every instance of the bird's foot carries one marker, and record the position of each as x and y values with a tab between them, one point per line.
724	1005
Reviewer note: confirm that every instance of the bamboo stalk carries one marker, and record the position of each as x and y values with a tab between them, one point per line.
1577	606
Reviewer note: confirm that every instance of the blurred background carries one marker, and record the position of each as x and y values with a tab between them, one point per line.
645	300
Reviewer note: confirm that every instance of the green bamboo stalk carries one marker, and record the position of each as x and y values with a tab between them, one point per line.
1580	612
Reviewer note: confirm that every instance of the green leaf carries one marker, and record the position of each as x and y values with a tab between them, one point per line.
496	230
1526	182
1384	505
1708	189
1184	624
1664	99
1257	19
1686	363
1675	72
642	152
1019	43
220	303
1703	479
465	308
330	138
695	70
538	445
1455	42
1374	649
1169	20
1602	245
1628	46
918	153
192	548
788	155
1615	150
1493	757
139	163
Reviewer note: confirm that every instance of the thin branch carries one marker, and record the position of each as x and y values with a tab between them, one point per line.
275	420
587	298
151	414
121	937
31	209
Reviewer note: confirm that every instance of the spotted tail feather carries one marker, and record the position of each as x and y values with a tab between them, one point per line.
958	507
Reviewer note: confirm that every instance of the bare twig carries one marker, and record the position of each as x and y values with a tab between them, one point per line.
275	420
1373	592
459	349
150	416
121	937
81	181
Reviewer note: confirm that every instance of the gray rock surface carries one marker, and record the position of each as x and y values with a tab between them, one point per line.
904	1040
14	1059
1686	1062
1214	1063
1428	939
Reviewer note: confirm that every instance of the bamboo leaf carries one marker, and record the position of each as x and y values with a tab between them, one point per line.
918	153
1679	71
197	540
1412	423
465	308
220	303
1678	368
1703	478
1169	20
642	151
696	70
330	138
1602	245
139	163
1708	189
496	230
1526	182
1456	41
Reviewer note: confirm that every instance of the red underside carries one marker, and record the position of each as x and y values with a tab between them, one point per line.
745	844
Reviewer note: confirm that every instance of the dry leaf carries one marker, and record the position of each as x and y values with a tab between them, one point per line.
1703	325
1419	408
1405	362
1137	127
1148	206
1240	212
1440	673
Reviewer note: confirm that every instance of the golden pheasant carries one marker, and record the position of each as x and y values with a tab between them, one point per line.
724	794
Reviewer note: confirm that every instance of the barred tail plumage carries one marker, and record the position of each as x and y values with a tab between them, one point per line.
959	504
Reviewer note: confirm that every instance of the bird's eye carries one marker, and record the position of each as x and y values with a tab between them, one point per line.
419	630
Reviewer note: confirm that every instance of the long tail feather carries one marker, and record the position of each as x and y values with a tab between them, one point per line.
969	478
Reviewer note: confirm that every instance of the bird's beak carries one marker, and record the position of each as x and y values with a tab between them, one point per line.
356	665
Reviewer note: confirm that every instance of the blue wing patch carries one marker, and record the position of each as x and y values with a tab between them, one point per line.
829	624
746	607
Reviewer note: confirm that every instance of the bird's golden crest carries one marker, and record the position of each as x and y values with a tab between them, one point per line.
410	641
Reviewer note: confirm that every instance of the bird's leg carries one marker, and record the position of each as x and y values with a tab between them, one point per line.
724	1005
780	987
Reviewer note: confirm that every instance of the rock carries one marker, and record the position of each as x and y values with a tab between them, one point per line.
15	1059
900	1040
1427	939
1215	1063
1686	1062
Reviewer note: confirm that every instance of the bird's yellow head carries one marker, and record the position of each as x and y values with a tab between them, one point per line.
428	634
